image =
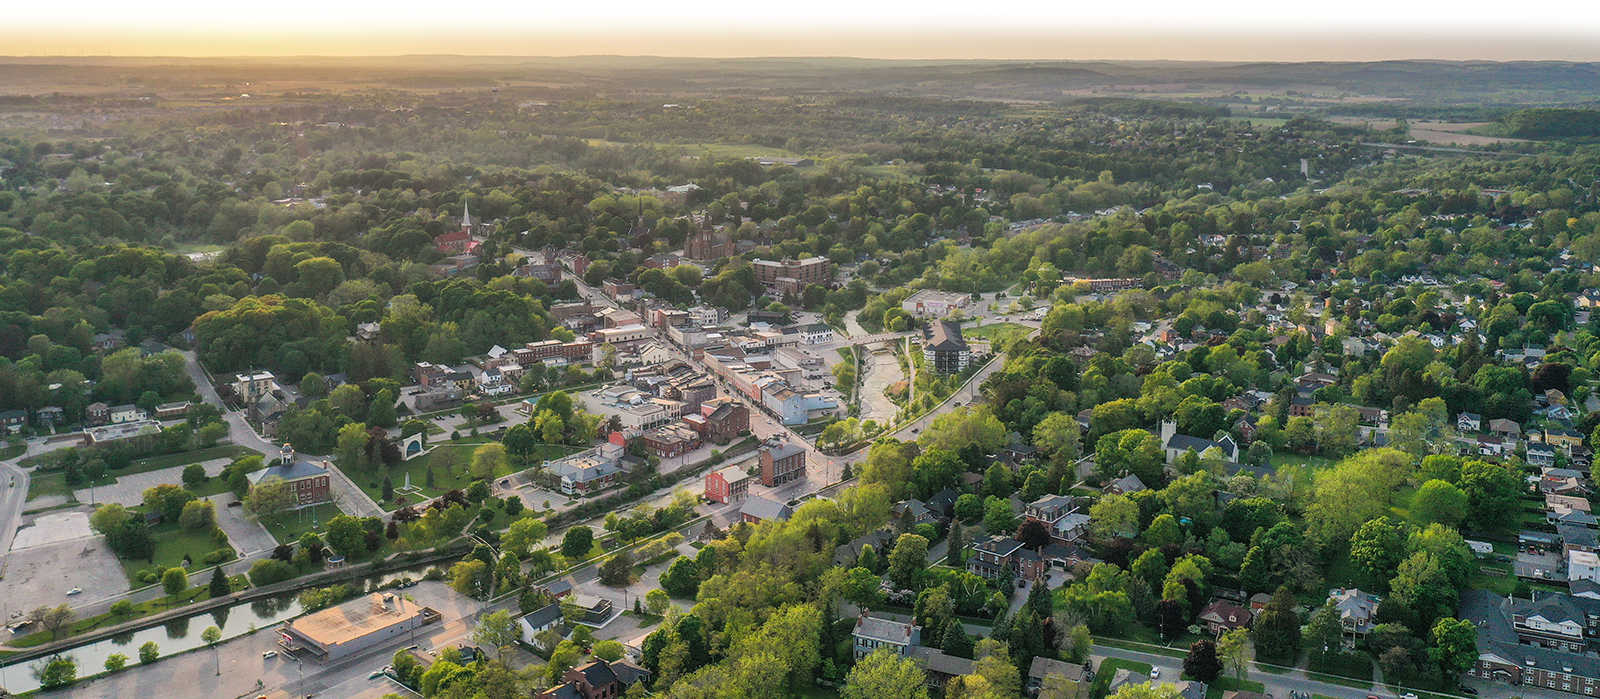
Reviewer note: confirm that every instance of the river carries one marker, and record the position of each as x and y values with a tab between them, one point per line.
178	635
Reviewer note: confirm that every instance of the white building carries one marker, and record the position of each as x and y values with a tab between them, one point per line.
929	303
1583	565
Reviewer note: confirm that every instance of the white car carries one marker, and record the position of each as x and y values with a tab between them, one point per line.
1155	673
74	591
269	654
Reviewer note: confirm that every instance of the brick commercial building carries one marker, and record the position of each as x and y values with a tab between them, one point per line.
725	418
782	463
671	440
794	275
731	484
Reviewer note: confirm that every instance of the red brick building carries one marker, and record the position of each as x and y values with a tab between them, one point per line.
307	481
781	464
725	418
671	440
731	484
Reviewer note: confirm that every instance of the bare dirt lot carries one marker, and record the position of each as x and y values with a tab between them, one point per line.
52	528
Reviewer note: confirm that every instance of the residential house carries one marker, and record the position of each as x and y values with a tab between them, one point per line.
1222	616
1469	422
939	668
1175	444
1583	565
1072	675
1357	611
1544	642
1506	429
128	413
846	554
920	514
1060	514
97	414
872	633
997	554
539	621
1563	438
1577	537
1128	483
1540	454
731	484
51	415
171	411
13	421
597	679
757	509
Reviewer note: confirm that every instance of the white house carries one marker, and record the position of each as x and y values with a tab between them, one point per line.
1583	565
816	333
1469	422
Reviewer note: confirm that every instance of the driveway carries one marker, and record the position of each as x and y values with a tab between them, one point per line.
247	535
1544	566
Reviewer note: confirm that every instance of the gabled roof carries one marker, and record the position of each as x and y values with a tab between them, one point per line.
764	509
945	336
880	629
597	673
542	617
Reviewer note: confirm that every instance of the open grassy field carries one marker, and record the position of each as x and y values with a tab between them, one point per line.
995	331
47	484
1280	460
450	464
290	526
172	544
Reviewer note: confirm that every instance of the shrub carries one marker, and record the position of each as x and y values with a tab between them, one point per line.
217	556
269	571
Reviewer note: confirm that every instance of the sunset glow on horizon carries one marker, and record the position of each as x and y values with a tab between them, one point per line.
1241	30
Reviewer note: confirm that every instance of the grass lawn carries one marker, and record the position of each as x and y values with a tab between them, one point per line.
46	484
288	527
1229	684
12	451
450	463
1109	667
1279	460
995	331
1343	572
172	544
646	619
1357	666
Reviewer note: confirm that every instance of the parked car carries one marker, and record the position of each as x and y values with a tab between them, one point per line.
74	591
1155	673
270	654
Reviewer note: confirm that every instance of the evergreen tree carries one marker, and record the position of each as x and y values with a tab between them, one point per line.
219	583
388	488
1040	601
956	642
954	544
1277	630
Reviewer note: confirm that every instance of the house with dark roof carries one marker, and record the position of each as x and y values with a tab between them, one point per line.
758	509
997	554
1175	444
1469	422
846	554
1547	641
920	513
939	668
539	621
1357	610
872	633
1222	616
1129	483
597	679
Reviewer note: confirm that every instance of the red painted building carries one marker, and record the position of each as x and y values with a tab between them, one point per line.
731	484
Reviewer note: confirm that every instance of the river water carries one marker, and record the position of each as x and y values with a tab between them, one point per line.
178	635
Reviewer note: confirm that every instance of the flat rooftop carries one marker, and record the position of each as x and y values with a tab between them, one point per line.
352	620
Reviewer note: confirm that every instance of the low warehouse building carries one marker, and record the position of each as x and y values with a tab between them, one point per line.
352	627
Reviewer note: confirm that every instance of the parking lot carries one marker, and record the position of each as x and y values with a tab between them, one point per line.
41	575
129	490
52	528
1541	566
247	535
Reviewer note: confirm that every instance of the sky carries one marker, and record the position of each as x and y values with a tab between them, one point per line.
1227	30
